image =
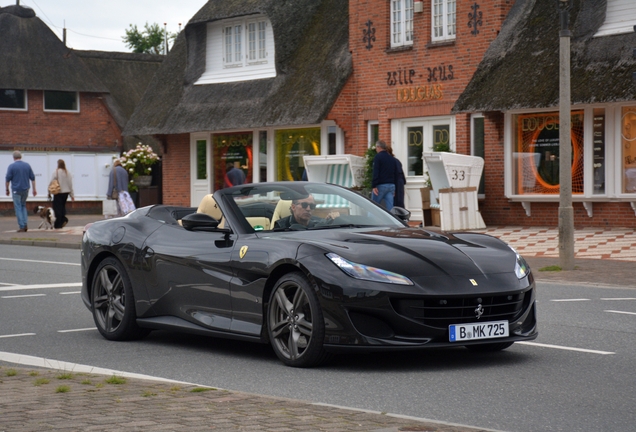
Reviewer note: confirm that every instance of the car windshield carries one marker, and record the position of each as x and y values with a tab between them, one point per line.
302	205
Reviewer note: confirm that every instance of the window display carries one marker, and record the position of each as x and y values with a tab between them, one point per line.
628	145
291	145
235	149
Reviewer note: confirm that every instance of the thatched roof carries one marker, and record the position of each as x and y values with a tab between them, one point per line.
312	65
34	58
126	75
521	67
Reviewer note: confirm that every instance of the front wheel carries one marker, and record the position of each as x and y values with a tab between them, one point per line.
296	325
490	347
113	303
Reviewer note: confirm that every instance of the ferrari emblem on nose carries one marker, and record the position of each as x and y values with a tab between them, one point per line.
243	251
473	281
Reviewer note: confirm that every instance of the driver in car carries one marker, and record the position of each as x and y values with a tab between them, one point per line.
301	214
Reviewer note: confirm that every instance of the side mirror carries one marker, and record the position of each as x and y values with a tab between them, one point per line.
401	213
199	222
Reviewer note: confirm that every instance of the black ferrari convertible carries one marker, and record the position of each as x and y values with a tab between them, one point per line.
309	268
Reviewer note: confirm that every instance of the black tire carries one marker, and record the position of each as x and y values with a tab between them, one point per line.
490	347
295	322
113	303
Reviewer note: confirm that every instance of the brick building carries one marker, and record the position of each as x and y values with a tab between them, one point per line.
518	82
56	102
335	76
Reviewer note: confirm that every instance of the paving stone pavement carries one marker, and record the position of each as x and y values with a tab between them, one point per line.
33	399
87	402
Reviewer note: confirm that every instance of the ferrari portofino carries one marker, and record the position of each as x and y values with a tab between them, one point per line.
309	268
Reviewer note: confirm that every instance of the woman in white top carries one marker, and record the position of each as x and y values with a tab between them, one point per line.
65	179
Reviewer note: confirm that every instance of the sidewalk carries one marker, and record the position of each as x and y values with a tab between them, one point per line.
34	399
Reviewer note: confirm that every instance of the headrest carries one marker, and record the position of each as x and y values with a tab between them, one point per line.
209	206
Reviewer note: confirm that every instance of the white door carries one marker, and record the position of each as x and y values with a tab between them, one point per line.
200	168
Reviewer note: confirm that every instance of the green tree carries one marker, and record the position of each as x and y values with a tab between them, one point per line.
150	41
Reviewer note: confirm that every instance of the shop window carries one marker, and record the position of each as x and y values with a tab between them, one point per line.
443	20
415	142
536	153
262	145
374	133
599	150
61	101
239	50
401	23
628	146
202	157
13	99
331	140
291	145
231	150
478	147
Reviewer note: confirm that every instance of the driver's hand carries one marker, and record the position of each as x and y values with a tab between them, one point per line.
333	215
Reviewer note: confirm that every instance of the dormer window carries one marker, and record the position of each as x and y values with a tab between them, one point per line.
620	18
239	50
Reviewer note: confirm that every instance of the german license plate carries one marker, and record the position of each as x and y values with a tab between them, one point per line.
475	331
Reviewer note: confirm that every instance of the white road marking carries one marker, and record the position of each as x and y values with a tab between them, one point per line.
24	295
618	298
77	330
40	262
17	335
566	348
40	286
620	312
570	300
71	292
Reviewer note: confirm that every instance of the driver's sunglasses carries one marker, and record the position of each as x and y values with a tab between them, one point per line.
304	205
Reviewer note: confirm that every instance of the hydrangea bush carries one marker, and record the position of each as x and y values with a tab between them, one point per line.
138	162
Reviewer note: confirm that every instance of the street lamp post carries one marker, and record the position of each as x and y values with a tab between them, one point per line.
566	212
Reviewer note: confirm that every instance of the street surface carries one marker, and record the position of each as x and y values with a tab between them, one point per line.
578	375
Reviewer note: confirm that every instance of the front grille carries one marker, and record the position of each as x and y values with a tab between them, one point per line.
440	312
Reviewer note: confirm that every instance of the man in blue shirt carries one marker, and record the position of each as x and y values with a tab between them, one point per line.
384	176
18	175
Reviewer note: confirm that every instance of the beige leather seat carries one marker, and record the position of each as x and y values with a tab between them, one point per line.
209	206
282	210
259	223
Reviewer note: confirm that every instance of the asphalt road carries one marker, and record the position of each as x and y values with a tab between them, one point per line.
578	375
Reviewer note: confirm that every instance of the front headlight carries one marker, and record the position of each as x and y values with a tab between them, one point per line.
363	272
521	266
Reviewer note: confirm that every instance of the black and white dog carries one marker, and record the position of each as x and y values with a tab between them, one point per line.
47	215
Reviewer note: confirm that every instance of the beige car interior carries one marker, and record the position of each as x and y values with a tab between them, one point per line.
282	210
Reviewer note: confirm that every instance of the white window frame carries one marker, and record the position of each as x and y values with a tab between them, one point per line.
370	125
26	102
613	157
401	23
472	140
443	20
200	187
620	18
77	98
239	49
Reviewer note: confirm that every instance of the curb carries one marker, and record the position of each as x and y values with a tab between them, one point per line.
41	243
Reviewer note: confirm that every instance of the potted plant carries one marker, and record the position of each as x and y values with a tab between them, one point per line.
138	162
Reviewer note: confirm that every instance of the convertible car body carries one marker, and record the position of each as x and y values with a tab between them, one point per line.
356	277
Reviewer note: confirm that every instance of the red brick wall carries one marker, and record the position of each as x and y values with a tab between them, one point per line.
368	96
91	128
176	170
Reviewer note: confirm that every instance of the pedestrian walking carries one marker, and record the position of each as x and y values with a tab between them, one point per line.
233	176
65	179
384	176
118	189
398	201
17	180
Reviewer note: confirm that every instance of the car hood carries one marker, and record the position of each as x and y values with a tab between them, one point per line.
413	252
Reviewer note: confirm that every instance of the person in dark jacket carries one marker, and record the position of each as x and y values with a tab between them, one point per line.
398	201
384	176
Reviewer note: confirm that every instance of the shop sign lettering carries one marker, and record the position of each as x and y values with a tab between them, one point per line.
401	76
419	93
441	73
529	124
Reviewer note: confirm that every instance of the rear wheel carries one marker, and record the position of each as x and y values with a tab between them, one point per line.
490	347
296	325
114	303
